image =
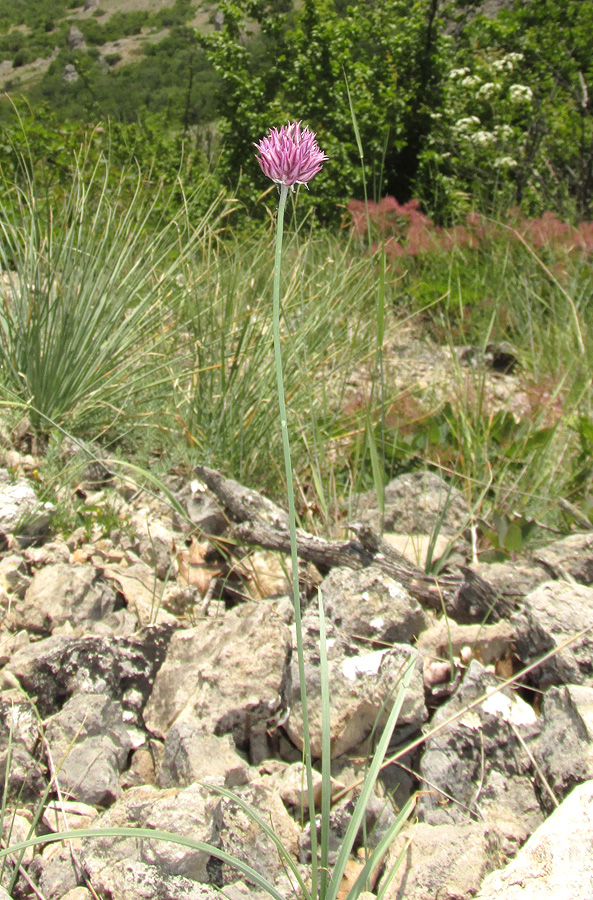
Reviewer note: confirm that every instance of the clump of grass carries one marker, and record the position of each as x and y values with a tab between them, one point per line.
88	297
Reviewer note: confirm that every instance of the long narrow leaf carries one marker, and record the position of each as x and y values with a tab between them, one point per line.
368	785
147	834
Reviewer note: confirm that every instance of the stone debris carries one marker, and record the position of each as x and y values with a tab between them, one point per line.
144	671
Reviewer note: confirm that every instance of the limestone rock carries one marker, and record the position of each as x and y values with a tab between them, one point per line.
557	860
236	833
67	598
229	674
552	613
190	756
570	556
89	744
124	669
362	684
367	603
564	749
131	879
478	763
20	508
444	861
417	503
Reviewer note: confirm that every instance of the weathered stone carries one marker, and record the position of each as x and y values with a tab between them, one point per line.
369	604
476	765
123	668
444	861
131	879
570	557
142	591
76	39
267	574
190	756
550	615
89	744
230	675
187	813
512	579
68	814
236	833
20	509
67	598
20	746
363	686
292	787
417	503
486	643
14	574
564	749
557	860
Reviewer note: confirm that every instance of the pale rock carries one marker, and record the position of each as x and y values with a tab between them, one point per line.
143	593
556	863
487	643
14	575
267	574
89	745
154	542
476	765
417	503
236	833
369	604
67	598
67	815
551	615
569	557
20	509
416	547
190	756
16	827
228	674
363	686
292	787
444	861
131	879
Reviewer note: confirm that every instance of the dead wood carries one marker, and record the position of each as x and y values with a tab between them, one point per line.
260	522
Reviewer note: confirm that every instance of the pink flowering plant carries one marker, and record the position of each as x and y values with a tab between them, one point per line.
288	156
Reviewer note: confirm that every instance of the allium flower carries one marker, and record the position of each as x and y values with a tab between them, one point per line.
290	155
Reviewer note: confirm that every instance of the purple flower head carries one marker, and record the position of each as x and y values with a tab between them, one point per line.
290	155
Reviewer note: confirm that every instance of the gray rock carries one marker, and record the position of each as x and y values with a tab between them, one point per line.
124	669
20	748
70	75
564	749
76	39
20	509
363	685
89	744
417	503
512	580
557	860
131	879
570	556
444	861
476	766
551	614
370	604
236	833
187	813
70	598
202	510
190	755
229	674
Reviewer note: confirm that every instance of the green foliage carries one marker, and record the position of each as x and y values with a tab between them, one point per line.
387	51
515	125
87	294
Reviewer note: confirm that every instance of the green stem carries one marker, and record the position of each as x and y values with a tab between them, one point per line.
293	535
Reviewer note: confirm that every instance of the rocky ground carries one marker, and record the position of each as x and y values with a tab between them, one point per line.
138	669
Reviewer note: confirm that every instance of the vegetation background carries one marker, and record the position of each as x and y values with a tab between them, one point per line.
135	240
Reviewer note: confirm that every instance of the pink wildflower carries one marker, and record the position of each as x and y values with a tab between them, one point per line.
290	155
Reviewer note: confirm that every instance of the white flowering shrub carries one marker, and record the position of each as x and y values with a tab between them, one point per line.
479	137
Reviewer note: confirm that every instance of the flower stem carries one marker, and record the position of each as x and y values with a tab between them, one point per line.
293	535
